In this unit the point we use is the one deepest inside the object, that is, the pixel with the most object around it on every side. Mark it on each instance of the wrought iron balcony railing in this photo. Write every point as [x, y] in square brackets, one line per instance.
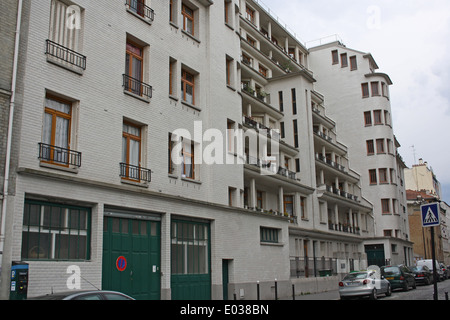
[137, 86]
[65, 54]
[58, 155]
[135, 173]
[141, 9]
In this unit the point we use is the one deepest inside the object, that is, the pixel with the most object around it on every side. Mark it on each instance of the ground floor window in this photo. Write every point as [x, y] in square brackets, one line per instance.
[190, 247]
[55, 231]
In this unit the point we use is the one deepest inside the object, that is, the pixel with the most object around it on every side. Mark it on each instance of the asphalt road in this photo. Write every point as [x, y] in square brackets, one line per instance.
[422, 292]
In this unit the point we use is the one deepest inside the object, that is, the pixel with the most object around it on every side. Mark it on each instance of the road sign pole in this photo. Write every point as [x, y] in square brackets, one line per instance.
[433, 257]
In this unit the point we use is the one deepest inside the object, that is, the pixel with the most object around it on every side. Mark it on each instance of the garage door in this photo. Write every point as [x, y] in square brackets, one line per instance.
[132, 256]
[190, 261]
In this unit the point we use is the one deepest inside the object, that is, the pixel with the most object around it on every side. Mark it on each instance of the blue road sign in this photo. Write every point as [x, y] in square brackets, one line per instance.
[430, 215]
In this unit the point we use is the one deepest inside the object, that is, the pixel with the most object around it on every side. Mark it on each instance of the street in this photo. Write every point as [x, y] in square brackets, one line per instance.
[422, 292]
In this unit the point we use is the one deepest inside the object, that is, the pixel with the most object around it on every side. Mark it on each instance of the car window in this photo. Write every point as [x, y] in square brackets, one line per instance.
[356, 275]
[89, 296]
[391, 270]
[114, 296]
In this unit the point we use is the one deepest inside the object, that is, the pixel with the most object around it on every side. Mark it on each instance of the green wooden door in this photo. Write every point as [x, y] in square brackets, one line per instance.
[190, 260]
[139, 243]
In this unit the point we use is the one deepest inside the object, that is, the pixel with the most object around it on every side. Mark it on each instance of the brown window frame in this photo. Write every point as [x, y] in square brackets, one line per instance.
[185, 82]
[186, 13]
[191, 156]
[365, 90]
[385, 206]
[128, 137]
[370, 147]
[335, 57]
[368, 118]
[55, 114]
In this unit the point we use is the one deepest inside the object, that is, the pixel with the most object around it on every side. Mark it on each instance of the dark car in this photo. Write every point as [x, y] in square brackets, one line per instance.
[422, 274]
[84, 295]
[399, 277]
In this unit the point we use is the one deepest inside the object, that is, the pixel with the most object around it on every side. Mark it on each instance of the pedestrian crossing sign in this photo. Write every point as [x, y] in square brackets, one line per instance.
[430, 215]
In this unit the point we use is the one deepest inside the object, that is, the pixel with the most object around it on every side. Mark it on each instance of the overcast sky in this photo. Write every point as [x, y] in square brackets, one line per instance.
[410, 41]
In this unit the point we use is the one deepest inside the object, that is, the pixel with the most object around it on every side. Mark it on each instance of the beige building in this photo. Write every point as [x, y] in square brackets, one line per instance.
[421, 177]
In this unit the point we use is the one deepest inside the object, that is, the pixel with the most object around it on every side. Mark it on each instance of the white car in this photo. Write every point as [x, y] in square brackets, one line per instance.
[364, 283]
[429, 264]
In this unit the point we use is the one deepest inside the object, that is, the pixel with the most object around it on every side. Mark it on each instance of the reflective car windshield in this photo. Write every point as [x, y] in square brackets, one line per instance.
[391, 270]
[356, 276]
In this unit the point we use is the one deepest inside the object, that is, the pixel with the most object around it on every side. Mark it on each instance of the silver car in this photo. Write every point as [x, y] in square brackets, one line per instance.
[364, 283]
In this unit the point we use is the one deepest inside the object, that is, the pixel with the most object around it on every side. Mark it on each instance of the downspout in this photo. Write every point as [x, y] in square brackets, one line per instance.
[10, 131]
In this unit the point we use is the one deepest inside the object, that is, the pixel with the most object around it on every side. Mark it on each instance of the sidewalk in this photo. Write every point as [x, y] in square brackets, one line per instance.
[329, 295]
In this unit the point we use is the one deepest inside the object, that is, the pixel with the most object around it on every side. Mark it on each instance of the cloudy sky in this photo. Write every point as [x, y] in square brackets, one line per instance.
[410, 41]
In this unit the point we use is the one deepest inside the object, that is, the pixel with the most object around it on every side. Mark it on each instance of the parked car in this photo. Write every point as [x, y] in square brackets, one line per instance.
[429, 264]
[445, 271]
[84, 295]
[364, 283]
[422, 274]
[399, 277]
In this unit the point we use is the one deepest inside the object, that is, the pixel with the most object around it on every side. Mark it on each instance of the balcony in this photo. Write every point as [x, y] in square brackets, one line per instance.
[134, 173]
[271, 168]
[341, 193]
[331, 163]
[65, 57]
[139, 8]
[137, 87]
[59, 156]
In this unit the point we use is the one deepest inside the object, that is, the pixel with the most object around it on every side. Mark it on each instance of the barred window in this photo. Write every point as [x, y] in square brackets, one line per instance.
[269, 235]
[55, 232]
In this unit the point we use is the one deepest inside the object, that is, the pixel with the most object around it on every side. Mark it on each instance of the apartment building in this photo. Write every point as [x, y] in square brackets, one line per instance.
[312, 181]
[359, 102]
[189, 138]
[421, 177]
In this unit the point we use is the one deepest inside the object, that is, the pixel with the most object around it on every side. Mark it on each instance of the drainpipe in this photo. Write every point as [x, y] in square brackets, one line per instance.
[10, 131]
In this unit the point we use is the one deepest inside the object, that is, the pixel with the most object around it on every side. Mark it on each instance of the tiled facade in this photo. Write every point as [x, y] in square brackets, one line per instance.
[106, 92]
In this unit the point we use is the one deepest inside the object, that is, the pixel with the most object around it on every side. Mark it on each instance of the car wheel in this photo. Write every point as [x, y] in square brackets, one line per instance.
[373, 296]
[388, 291]
[405, 286]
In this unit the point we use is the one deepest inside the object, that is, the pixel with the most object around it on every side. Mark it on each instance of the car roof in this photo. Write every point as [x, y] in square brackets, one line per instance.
[69, 294]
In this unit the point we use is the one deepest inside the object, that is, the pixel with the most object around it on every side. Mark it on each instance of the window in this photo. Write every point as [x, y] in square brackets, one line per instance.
[131, 152]
[380, 146]
[365, 90]
[294, 101]
[375, 90]
[139, 7]
[377, 117]
[335, 56]
[134, 66]
[188, 164]
[250, 14]
[231, 195]
[188, 87]
[55, 232]
[64, 41]
[172, 73]
[188, 19]
[172, 14]
[259, 199]
[295, 133]
[280, 100]
[370, 147]
[373, 176]
[383, 175]
[269, 235]
[171, 164]
[288, 203]
[368, 118]
[228, 8]
[297, 165]
[385, 206]
[189, 247]
[282, 133]
[263, 70]
[229, 70]
[303, 207]
[56, 133]
[353, 63]
[344, 60]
